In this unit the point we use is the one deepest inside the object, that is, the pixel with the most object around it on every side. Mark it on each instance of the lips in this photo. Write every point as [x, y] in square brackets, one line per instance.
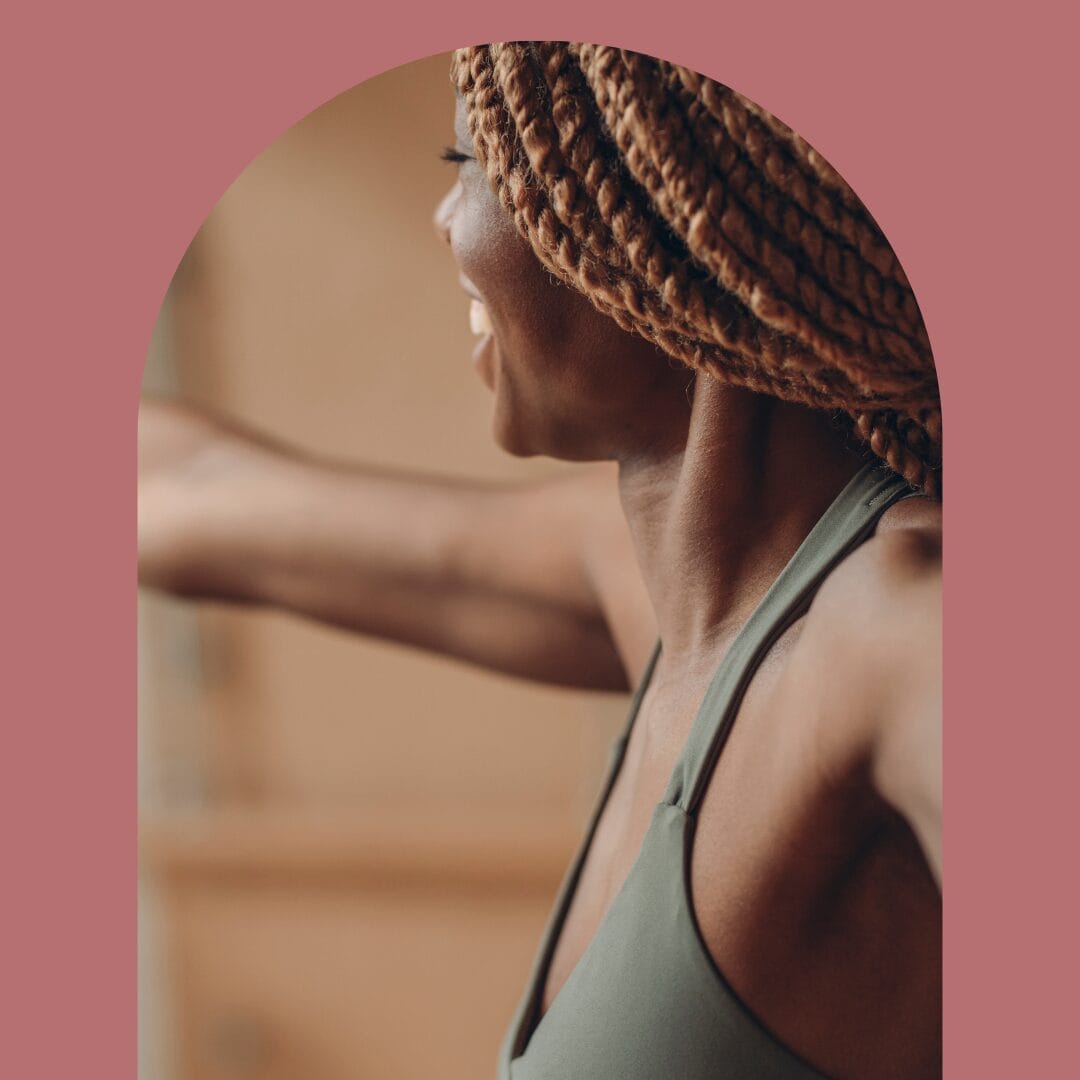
[479, 321]
[480, 324]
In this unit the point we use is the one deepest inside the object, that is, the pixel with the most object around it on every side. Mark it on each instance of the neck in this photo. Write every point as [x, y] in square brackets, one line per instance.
[717, 515]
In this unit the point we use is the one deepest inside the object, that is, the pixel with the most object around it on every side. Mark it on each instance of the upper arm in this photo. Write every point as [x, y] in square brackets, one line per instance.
[881, 613]
[905, 742]
[527, 541]
[537, 566]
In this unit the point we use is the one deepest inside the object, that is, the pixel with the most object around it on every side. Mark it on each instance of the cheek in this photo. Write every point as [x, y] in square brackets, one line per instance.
[543, 328]
[481, 234]
[489, 249]
[521, 300]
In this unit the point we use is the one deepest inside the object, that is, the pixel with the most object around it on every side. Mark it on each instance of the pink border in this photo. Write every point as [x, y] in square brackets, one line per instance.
[125, 125]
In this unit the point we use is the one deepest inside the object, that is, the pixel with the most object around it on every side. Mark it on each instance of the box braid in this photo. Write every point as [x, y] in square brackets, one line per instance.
[698, 220]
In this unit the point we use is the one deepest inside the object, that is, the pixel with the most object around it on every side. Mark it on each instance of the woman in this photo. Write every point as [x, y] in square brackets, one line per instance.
[664, 277]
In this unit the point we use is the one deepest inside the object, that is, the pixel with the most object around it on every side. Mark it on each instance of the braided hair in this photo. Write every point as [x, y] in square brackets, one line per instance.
[693, 217]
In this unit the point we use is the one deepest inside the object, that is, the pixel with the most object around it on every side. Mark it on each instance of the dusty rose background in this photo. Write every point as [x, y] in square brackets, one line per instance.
[123, 126]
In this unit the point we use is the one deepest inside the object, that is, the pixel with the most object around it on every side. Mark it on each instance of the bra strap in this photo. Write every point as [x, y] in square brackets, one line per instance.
[846, 524]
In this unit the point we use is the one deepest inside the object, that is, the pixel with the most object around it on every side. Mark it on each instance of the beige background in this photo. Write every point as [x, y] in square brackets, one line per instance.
[348, 847]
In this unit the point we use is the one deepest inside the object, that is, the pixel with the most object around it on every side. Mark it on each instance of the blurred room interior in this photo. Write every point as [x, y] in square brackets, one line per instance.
[347, 848]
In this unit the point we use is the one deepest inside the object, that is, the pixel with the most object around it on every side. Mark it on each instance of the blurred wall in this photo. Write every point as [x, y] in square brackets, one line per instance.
[348, 847]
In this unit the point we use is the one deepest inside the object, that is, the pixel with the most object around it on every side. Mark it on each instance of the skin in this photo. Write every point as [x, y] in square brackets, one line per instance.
[810, 886]
[816, 866]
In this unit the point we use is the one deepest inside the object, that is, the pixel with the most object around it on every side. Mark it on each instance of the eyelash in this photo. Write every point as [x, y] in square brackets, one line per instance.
[455, 157]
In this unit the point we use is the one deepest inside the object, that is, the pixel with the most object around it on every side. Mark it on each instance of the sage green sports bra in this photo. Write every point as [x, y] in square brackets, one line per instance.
[646, 1001]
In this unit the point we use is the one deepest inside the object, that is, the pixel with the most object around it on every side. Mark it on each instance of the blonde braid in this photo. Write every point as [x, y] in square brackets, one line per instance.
[696, 219]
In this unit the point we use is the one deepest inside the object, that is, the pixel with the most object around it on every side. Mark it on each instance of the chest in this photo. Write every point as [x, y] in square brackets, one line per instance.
[758, 794]
[811, 902]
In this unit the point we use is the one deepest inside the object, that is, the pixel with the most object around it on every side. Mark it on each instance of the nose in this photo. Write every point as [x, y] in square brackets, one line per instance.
[444, 212]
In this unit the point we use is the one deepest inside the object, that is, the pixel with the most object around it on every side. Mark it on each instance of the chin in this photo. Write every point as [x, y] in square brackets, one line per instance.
[510, 438]
[556, 440]
[524, 428]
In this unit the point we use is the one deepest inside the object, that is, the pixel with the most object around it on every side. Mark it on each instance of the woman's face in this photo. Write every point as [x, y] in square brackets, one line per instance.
[567, 380]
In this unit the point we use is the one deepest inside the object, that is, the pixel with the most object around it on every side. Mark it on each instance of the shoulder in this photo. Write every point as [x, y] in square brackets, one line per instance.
[875, 626]
[882, 604]
[870, 646]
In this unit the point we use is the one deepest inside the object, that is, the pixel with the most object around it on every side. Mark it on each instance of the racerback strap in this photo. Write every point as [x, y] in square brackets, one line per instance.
[847, 523]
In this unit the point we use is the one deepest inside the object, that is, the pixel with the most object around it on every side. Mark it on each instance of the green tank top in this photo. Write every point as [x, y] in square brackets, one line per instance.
[646, 1000]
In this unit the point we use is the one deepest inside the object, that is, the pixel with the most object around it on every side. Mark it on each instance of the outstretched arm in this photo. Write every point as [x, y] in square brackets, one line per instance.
[494, 574]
